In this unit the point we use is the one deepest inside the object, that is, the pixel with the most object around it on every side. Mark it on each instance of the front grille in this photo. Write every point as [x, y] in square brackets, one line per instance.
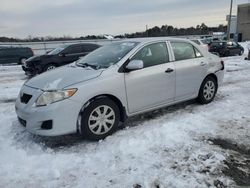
[22, 121]
[25, 98]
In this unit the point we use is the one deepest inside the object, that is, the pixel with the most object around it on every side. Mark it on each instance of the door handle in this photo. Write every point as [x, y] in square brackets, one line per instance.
[203, 64]
[169, 70]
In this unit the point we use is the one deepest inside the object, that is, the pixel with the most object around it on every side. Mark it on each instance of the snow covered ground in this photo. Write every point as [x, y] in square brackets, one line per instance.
[186, 145]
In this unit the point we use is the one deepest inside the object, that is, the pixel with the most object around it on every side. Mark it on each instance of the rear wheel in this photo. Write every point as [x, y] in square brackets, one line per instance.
[208, 90]
[22, 60]
[100, 119]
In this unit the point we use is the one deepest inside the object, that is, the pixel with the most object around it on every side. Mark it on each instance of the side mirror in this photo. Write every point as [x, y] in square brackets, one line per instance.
[134, 65]
[62, 54]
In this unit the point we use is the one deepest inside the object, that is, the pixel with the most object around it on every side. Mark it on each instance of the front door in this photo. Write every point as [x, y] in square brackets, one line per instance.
[155, 83]
[70, 54]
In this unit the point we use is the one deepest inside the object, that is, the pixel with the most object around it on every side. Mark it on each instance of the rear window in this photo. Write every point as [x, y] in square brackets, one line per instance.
[183, 50]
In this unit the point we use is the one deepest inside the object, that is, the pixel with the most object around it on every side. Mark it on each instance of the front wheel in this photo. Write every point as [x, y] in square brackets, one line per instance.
[100, 119]
[208, 90]
[49, 67]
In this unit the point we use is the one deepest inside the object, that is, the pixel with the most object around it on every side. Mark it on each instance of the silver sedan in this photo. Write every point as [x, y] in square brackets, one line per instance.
[92, 95]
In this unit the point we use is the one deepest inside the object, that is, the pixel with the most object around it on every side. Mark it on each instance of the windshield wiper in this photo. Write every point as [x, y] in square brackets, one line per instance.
[87, 65]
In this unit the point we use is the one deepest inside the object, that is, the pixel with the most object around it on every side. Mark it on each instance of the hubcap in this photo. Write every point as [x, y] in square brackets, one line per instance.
[101, 120]
[51, 67]
[209, 90]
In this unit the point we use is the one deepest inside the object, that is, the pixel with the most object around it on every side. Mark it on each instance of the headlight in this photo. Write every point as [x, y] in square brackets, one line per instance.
[49, 97]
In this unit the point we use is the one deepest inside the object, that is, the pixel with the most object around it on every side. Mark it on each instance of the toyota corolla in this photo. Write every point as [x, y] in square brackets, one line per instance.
[92, 95]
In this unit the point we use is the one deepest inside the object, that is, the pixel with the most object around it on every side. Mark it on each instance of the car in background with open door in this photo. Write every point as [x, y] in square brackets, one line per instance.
[226, 48]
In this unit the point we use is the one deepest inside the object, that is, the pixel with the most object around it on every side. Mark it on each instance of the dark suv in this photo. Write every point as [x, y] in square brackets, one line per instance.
[224, 49]
[60, 56]
[14, 54]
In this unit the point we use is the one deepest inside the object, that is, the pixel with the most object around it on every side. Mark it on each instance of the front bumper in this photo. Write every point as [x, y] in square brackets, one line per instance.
[63, 114]
[29, 71]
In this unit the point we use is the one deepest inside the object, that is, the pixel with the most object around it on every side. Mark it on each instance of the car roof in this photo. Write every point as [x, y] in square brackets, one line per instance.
[76, 44]
[13, 47]
[153, 39]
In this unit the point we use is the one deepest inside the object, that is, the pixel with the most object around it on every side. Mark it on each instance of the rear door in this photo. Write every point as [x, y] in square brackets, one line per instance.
[190, 68]
[155, 83]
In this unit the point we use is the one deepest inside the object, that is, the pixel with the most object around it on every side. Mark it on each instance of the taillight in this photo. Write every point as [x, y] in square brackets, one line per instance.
[222, 64]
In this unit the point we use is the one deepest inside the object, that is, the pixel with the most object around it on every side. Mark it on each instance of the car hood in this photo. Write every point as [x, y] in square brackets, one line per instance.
[39, 57]
[63, 77]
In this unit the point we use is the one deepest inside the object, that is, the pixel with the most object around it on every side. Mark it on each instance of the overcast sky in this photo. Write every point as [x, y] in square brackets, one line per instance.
[20, 18]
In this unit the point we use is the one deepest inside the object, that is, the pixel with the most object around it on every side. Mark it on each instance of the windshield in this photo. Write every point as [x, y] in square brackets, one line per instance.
[57, 50]
[107, 55]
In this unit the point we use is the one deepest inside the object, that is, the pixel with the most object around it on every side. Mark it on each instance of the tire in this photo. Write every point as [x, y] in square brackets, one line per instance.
[49, 67]
[21, 61]
[241, 52]
[94, 124]
[227, 54]
[208, 90]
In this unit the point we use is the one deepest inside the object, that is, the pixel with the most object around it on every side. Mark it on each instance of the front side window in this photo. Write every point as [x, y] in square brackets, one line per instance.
[183, 50]
[153, 54]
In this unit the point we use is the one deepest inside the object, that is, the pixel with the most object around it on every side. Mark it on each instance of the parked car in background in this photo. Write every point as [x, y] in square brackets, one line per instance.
[201, 42]
[224, 48]
[17, 55]
[248, 47]
[118, 80]
[60, 56]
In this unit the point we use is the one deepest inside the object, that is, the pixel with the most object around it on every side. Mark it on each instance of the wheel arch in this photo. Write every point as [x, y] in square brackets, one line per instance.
[122, 109]
[213, 76]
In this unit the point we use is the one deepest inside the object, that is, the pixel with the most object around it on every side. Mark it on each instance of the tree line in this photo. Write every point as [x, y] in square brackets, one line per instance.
[164, 30]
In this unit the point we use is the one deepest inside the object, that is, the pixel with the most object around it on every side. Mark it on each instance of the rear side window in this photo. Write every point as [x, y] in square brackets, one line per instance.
[196, 41]
[89, 47]
[183, 50]
[74, 49]
[197, 53]
[153, 54]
